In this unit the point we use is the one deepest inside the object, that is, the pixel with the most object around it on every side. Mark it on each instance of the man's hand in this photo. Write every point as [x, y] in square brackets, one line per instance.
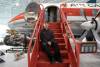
[49, 43]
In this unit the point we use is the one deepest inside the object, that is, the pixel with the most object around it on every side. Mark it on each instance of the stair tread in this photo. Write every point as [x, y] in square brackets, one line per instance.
[57, 33]
[56, 29]
[59, 38]
[61, 44]
[48, 62]
[53, 24]
[61, 51]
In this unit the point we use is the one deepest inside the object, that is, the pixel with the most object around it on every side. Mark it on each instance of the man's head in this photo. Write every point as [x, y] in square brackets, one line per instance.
[45, 25]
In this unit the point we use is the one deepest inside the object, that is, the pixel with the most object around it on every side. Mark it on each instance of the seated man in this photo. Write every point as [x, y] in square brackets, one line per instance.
[48, 41]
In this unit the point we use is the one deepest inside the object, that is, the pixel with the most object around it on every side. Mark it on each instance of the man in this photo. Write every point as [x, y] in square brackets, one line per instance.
[48, 41]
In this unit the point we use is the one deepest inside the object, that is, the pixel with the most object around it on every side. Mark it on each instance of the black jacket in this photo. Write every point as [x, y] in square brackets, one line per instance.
[46, 35]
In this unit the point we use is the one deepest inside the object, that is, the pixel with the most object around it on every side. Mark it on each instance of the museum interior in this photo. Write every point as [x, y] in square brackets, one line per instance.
[49, 33]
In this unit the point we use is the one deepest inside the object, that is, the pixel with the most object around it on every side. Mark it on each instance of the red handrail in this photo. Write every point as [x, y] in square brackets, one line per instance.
[64, 26]
[35, 34]
[77, 52]
[37, 37]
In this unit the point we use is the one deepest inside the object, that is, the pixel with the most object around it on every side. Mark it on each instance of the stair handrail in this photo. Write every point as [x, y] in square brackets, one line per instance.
[35, 51]
[66, 24]
[35, 33]
[69, 34]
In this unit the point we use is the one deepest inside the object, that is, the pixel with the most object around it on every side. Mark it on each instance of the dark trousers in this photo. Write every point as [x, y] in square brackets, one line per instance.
[52, 56]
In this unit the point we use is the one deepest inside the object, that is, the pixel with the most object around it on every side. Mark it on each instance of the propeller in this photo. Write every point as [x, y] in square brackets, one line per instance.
[85, 31]
[88, 26]
[97, 14]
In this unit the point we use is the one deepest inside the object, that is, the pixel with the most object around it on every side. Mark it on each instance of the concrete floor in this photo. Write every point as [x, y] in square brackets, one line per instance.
[10, 61]
[90, 60]
[87, 60]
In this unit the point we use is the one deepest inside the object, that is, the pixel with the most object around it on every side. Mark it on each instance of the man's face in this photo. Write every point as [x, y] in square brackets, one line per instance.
[46, 26]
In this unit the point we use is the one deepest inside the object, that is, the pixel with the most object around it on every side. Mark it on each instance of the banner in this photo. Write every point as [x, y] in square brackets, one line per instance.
[83, 5]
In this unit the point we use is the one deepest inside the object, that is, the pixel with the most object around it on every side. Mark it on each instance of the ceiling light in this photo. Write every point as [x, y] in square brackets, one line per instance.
[17, 4]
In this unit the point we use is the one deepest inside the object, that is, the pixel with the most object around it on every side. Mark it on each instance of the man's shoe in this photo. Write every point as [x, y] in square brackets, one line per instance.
[60, 61]
[52, 60]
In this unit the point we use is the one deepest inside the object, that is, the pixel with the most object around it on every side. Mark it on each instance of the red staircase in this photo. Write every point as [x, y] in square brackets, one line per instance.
[43, 59]
[37, 58]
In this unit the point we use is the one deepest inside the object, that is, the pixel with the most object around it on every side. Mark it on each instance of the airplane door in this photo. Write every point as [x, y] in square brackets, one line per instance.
[51, 14]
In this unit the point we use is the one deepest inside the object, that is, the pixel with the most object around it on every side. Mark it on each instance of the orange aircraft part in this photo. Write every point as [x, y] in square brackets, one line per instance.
[18, 17]
[71, 11]
[77, 11]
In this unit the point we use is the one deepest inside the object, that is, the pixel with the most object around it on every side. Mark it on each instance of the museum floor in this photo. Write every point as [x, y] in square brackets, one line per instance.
[86, 60]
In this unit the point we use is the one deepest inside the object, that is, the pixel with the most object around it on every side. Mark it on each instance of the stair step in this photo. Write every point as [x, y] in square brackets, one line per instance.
[52, 27]
[48, 62]
[62, 46]
[60, 40]
[54, 24]
[43, 56]
[58, 35]
[42, 63]
[56, 30]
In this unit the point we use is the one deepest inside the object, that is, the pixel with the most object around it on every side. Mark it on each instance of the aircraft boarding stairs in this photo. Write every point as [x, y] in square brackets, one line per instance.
[37, 58]
[43, 59]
